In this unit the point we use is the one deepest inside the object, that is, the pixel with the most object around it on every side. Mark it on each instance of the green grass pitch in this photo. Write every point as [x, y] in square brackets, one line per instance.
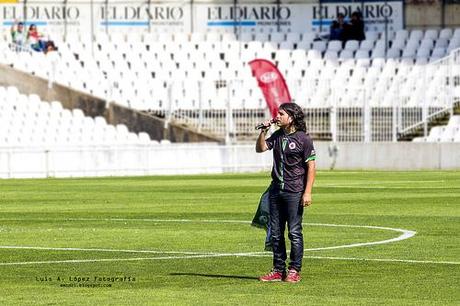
[168, 240]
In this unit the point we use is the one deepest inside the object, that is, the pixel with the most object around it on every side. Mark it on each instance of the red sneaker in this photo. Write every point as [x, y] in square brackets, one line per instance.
[293, 276]
[272, 276]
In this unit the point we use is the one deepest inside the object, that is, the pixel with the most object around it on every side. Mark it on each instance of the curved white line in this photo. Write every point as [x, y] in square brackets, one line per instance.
[406, 234]
[265, 254]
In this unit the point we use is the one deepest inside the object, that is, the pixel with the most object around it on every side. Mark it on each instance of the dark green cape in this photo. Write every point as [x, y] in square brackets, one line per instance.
[262, 218]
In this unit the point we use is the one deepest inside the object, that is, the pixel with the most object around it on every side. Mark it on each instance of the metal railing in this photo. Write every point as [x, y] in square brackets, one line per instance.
[409, 101]
[437, 92]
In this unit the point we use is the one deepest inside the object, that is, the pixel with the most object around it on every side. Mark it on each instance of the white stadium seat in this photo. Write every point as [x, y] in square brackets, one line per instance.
[198, 37]
[423, 52]
[352, 45]
[308, 36]
[402, 35]
[454, 121]
[446, 33]
[416, 35]
[441, 43]
[427, 43]
[228, 37]
[366, 45]
[277, 37]
[314, 54]
[334, 45]
[396, 53]
[246, 36]
[346, 54]
[293, 37]
[304, 45]
[262, 37]
[431, 34]
[320, 46]
[331, 55]
[286, 45]
[435, 134]
[215, 37]
[454, 44]
[362, 54]
[372, 35]
[439, 52]
[398, 44]
[449, 133]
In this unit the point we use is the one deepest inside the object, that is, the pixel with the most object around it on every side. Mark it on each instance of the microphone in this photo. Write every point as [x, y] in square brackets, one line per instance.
[263, 126]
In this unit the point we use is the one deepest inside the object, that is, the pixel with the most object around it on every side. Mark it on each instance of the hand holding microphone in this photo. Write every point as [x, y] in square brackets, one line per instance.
[265, 125]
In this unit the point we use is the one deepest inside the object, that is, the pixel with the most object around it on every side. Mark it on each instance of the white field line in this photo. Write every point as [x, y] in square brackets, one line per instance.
[383, 187]
[405, 234]
[189, 255]
[112, 259]
[262, 254]
[13, 247]
[387, 182]
[387, 260]
[332, 173]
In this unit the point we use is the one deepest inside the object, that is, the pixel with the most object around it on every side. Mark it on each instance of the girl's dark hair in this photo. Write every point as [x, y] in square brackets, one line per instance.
[297, 115]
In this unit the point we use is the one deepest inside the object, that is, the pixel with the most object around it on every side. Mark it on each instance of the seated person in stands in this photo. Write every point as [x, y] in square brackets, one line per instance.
[35, 39]
[355, 29]
[49, 46]
[337, 28]
[17, 33]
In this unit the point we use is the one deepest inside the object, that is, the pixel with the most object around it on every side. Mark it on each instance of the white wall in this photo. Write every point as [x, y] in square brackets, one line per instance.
[213, 158]
[393, 156]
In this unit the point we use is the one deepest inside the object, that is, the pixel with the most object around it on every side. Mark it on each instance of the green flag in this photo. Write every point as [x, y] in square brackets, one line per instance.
[262, 218]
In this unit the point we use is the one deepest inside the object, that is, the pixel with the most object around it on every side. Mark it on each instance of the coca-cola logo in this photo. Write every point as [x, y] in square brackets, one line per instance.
[268, 77]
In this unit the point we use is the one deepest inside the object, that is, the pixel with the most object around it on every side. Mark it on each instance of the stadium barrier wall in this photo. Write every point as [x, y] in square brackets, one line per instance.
[157, 128]
[431, 14]
[89, 161]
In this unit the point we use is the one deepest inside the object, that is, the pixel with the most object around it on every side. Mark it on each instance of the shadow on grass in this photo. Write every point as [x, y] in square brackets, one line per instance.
[214, 275]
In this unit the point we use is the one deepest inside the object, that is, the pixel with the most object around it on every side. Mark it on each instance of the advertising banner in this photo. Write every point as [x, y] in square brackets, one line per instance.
[51, 14]
[272, 84]
[101, 15]
[375, 14]
[156, 17]
[252, 18]
[184, 16]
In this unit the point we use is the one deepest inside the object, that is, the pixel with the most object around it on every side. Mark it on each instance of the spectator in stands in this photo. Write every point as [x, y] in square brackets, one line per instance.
[49, 46]
[52, 59]
[18, 35]
[338, 28]
[355, 30]
[35, 39]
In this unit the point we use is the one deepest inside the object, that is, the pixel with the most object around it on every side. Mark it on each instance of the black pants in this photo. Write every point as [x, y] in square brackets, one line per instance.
[285, 207]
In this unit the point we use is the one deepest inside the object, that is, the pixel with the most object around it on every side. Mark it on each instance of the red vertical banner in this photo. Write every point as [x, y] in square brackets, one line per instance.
[272, 84]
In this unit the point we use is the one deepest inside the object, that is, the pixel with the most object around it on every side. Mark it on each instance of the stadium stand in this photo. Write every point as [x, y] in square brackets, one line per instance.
[161, 72]
[27, 120]
[443, 133]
